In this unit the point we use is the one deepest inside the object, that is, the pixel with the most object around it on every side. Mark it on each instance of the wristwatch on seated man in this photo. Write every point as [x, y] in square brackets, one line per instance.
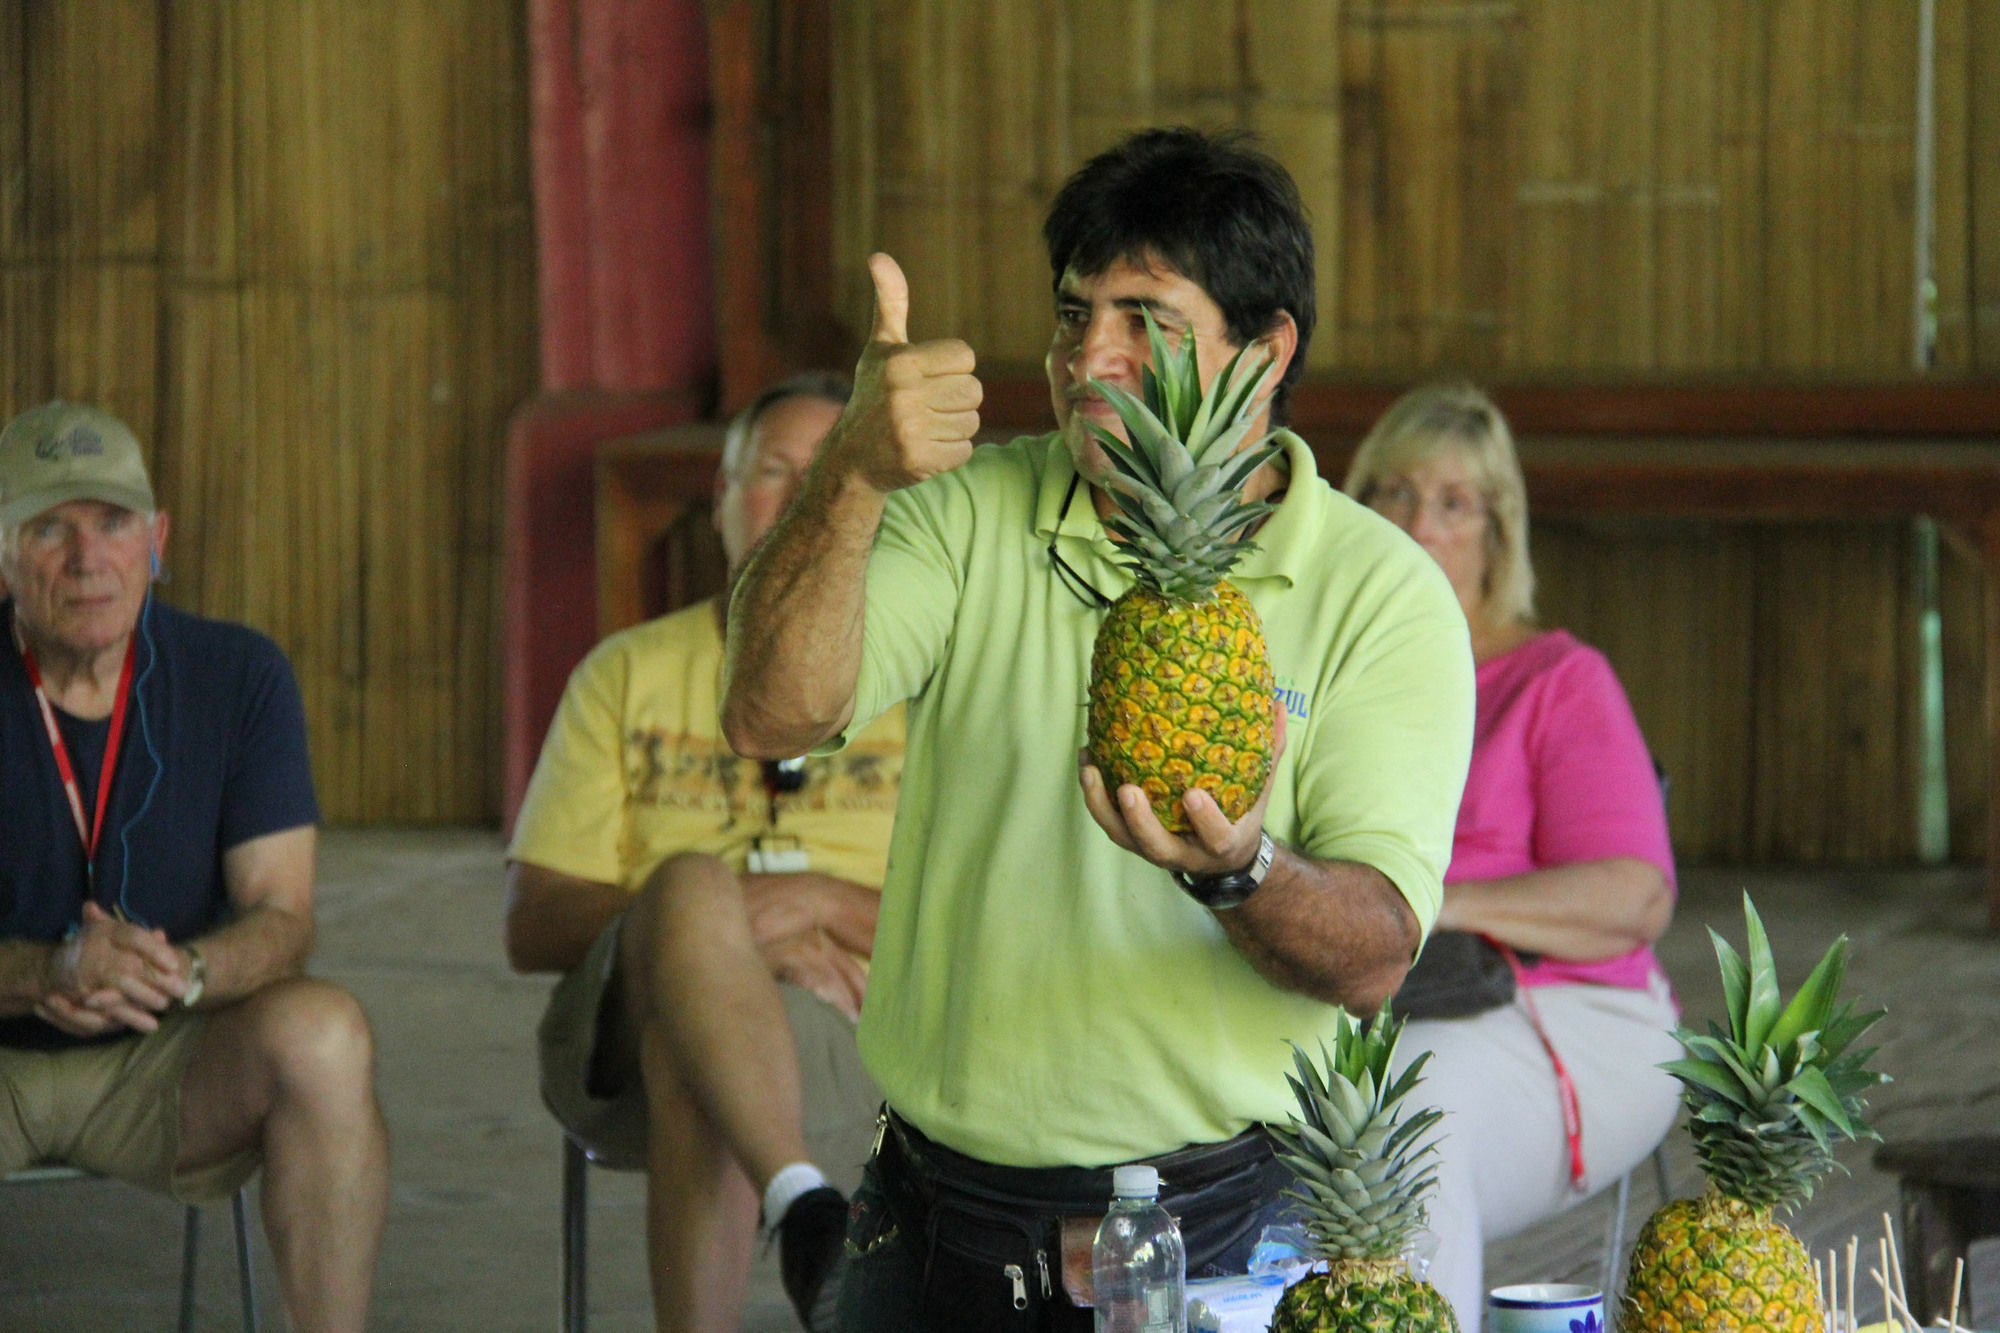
[1220, 892]
[197, 976]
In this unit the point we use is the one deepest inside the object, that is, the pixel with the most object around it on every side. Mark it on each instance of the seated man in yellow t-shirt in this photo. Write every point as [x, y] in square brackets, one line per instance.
[676, 885]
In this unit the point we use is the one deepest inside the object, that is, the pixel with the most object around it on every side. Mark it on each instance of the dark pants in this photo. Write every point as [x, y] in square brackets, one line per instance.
[940, 1241]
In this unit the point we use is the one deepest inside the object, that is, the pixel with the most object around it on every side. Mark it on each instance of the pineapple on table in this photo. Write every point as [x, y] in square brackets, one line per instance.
[1362, 1182]
[1181, 692]
[1766, 1100]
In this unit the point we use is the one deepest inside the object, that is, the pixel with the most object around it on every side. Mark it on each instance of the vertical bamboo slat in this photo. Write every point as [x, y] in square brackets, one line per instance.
[1953, 184]
[1982, 149]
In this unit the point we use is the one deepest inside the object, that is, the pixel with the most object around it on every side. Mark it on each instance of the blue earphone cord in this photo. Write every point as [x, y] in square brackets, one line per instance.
[145, 736]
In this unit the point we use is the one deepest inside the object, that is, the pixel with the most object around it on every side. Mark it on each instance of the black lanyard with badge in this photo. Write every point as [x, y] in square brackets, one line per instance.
[772, 854]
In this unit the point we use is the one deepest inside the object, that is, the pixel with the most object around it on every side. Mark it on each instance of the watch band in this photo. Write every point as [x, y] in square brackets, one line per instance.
[1221, 892]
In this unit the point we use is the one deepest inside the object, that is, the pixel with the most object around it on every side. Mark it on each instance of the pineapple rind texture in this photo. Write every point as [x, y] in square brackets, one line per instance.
[1181, 696]
[1332, 1303]
[1718, 1265]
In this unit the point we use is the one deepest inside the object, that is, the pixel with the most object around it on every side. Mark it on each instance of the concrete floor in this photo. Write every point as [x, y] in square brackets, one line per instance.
[410, 921]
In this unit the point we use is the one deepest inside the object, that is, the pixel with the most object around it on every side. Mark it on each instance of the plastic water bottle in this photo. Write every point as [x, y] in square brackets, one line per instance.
[1138, 1265]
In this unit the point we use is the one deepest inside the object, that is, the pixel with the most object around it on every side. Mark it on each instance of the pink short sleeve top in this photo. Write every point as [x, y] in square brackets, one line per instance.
[1560, 774]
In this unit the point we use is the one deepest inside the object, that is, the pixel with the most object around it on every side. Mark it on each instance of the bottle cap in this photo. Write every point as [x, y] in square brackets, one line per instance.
[1135, 1182]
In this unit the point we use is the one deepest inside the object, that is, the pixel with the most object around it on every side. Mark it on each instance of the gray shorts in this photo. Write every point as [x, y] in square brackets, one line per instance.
[590, 1070]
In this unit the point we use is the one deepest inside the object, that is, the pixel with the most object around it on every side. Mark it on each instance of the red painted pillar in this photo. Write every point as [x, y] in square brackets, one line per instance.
[621, 138]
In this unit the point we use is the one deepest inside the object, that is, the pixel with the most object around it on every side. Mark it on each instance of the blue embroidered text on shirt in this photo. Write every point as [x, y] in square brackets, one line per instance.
[1296, 703]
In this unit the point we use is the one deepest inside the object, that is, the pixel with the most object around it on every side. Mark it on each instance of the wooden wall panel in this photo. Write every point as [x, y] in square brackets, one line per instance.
[1953, 104]
[1425, 104]
[1582, 294]
[1597, 188]
[291, 244]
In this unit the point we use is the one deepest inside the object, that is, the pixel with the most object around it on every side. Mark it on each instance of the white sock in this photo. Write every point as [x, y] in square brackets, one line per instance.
[788, 1185]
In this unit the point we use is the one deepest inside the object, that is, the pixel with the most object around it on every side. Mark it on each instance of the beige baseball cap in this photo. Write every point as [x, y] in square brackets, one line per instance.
[58, 452]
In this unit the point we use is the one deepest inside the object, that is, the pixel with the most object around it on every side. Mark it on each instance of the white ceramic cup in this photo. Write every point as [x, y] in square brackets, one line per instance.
[1545, 1307]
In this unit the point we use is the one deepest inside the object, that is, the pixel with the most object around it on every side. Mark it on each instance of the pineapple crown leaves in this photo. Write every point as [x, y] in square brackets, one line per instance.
[1177, 479]
[1360, 1166]
[1779, 1075]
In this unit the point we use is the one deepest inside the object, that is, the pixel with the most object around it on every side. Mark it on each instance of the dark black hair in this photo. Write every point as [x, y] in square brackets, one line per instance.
[1222, 214]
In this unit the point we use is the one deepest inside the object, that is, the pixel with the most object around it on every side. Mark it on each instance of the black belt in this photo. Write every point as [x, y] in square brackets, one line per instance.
[1076, 1189]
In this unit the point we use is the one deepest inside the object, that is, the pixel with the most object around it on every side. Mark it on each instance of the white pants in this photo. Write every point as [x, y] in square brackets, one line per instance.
[1503, 1161]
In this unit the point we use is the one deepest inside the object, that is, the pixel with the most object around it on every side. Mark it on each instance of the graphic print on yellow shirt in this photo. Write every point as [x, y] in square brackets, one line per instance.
[635, 770]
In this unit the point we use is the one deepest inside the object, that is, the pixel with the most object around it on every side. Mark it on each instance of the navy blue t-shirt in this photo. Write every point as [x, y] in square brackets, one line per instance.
[214, 754]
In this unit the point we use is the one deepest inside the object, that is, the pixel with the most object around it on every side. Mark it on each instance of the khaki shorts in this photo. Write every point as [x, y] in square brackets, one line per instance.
[590, 1070]
[115, 1109]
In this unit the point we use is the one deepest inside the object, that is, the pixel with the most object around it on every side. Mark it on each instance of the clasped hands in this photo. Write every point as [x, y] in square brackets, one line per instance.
[112, 974]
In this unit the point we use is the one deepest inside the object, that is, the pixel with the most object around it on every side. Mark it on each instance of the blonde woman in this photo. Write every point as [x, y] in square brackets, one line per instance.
[1560, 855]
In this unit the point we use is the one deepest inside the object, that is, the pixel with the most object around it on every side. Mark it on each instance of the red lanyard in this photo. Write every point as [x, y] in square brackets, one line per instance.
[89, 833]
[1565, 1086]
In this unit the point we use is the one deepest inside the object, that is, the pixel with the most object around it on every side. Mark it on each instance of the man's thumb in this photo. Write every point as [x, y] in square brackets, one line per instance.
[892, 300]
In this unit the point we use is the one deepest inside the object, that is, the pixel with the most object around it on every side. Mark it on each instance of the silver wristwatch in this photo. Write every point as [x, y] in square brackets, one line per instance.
[1218, 893]
[197, 976]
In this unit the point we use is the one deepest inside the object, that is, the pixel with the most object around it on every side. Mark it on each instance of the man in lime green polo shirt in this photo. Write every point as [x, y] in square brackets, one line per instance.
[1046, 1001]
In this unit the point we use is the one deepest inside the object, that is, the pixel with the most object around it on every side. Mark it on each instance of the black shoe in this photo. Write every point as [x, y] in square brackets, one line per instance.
[812, 1255]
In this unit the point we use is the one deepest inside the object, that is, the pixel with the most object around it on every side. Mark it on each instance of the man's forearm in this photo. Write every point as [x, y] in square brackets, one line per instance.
[24, 975]
[1338, 931]
[263, 945]
[795, 621]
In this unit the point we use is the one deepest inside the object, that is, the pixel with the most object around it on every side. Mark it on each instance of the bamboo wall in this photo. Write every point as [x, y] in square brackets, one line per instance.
[290, 242]
[1542, 190]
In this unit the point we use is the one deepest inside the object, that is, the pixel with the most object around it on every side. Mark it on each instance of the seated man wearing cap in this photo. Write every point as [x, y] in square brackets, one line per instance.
[156, 883]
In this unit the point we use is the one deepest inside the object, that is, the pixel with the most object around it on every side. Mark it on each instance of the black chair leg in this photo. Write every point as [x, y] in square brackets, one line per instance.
[190, 1253]
[245, 1271]
[575, 1224]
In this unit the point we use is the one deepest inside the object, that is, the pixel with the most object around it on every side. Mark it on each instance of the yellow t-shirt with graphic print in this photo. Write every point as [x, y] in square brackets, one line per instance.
[635, 770]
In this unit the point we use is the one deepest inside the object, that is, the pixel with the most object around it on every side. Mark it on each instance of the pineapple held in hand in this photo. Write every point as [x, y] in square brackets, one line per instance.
[1362, 1181]
[1766, 1101]
[1181, 694]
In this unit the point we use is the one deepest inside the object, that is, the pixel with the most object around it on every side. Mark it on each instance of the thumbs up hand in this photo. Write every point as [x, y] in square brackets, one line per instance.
[915, 406]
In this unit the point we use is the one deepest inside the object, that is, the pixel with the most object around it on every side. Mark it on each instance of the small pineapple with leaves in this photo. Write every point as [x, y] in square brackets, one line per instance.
[1362, 1182]
[1181, 691]
[1767, 1099]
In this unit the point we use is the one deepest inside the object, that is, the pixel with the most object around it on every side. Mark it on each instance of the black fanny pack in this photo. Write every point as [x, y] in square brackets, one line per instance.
[1458, 974]
[1015, 1241]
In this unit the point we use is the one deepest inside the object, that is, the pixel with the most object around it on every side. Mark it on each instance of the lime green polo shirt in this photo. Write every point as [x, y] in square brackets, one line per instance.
[1040, 996]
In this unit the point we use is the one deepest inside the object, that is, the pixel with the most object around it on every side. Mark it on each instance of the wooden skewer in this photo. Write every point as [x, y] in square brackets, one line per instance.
[1819, 1283]
[1853, 1254]
[1881, 1276]
[1957, 1277]
[1895, 1256]
[1895, 1312]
